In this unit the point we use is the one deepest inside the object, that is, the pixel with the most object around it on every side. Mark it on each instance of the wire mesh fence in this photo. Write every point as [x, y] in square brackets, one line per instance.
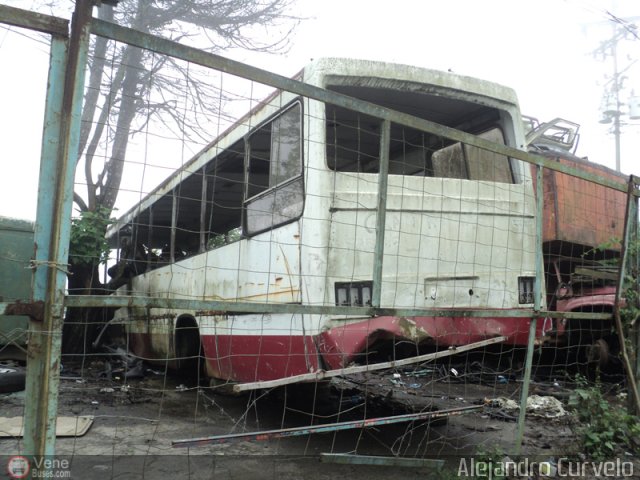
[360, 265]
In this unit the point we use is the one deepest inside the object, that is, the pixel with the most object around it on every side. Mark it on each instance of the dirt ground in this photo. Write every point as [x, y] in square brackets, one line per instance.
[137, 419]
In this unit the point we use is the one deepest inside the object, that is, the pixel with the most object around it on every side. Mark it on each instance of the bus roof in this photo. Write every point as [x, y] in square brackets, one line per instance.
[324, 71]
[343, 74]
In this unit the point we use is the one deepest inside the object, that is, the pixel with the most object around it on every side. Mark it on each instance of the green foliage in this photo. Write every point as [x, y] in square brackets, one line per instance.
[613, 245]
[631, 309]
[492, 456]
[221, 239]
[604, 427]
[444, 474]
[88, 245]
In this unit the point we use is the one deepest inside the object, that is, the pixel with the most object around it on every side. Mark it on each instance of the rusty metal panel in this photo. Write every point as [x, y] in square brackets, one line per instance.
[579, 211]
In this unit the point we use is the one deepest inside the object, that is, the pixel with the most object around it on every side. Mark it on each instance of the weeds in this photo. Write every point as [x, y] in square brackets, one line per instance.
[88, 245]
[605, 427]
[493, 457]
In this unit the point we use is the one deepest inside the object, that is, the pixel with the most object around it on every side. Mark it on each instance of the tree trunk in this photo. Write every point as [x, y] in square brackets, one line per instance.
[83, 325]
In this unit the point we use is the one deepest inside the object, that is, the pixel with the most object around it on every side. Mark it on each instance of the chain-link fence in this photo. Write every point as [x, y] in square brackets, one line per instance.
[366, 258]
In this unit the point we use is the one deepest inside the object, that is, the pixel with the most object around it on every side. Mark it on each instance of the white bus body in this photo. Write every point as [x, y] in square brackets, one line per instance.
[296, 182]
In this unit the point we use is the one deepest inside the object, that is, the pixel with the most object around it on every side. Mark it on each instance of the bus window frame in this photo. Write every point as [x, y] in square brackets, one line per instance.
[271, 190]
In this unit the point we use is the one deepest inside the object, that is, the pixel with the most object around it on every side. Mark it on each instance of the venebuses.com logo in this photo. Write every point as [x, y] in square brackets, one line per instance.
[20, 466]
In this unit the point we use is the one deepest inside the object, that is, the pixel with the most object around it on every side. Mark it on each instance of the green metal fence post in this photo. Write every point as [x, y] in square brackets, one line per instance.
[537, 292]
[627, 252]
[53, 223]
[635, 334]
[39, 435]
[381, 216]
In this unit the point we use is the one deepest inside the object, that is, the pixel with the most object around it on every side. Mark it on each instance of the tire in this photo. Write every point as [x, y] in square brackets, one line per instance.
[12, 379]
[187, 346]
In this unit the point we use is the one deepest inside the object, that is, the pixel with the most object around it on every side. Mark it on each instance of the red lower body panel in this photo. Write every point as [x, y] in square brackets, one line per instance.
[250, 358]
[342, 345]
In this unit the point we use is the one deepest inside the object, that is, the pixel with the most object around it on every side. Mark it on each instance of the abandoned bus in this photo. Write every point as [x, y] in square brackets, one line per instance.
[281, 208]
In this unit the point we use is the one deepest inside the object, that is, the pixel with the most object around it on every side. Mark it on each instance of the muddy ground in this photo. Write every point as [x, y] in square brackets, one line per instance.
[137, 419]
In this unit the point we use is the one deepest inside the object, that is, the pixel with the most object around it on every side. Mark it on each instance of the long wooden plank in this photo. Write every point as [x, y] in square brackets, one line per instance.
[324, 374]
[598, 273]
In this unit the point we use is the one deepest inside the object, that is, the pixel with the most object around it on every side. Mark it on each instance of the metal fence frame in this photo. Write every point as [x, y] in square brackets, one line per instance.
[68, 58]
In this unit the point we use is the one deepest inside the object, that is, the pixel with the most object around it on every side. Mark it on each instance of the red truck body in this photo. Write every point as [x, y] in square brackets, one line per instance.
[583, 223]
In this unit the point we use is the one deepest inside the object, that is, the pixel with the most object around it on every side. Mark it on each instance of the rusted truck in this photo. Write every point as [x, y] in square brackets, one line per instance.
[583, 223]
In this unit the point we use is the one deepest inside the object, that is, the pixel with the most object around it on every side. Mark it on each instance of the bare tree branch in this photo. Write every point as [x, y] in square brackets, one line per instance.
[126, 115]
[146, 87]
[80, 202]
[105, 112]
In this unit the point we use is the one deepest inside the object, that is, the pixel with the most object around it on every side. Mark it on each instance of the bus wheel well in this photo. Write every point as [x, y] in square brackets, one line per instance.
[187, 345]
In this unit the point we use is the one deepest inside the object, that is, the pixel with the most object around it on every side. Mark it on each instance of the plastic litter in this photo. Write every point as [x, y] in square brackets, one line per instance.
[547, 407]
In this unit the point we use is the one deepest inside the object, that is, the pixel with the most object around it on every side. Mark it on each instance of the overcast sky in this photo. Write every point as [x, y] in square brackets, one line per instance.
[542, 49]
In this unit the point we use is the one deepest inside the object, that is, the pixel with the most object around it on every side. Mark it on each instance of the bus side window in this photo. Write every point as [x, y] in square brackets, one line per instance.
[275, 191]
[225, 189]
[353, 141]
[259, 159]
